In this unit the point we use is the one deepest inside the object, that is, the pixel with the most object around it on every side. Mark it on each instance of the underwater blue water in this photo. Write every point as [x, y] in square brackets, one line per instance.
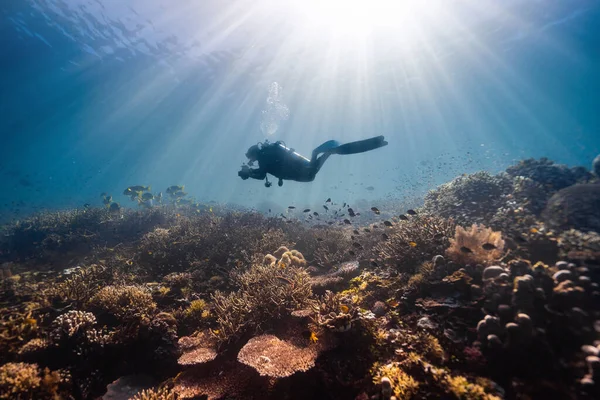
[97, 95]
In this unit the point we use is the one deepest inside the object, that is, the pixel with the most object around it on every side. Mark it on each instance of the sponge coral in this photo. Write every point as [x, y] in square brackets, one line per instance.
[476, 245]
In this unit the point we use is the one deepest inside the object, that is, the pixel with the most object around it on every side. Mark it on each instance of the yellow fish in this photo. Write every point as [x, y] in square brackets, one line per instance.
[344, 309]
[313, 338]
[412, 244]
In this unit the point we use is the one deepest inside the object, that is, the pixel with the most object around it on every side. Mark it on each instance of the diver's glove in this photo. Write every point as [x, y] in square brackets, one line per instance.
[244, 173]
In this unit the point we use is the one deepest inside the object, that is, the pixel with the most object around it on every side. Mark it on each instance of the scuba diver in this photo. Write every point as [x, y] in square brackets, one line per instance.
[284, 163]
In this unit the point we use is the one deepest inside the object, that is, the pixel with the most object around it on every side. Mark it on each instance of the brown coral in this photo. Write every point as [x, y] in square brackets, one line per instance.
[467, 247]
[276, 358]
[197, 349]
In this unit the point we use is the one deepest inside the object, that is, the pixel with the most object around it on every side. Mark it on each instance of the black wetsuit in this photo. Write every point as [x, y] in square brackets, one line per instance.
[284, 163]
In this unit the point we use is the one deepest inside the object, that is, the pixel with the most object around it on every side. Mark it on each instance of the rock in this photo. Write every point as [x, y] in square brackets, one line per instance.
[386, 388]
[596, 165]
[379, 308]
[438, 260]
[494, 341]
[526, 325]
[590, 350]
[426, 323]
[492, 272]
[587, 383]
[505, 312]
[593, 363]
[561, 265]
[562, 275]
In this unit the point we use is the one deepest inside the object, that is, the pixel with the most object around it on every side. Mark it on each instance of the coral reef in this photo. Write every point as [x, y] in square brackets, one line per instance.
[479, 294]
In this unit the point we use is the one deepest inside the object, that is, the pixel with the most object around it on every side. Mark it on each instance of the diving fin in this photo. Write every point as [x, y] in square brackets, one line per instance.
[360, 146]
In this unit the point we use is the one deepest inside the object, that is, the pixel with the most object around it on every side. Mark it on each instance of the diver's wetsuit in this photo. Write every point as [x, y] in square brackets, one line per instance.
[284, 163]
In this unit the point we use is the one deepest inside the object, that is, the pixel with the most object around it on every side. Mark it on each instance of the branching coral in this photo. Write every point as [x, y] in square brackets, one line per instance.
[162, 393]
[229, 240]
[124, 302]
[70, 324]
[403, 385]
[333, 313]
[415, 241]
[461, 388]
[80, 286]
[477, 245]
[266, 293]
[29, 381]
[579, 245]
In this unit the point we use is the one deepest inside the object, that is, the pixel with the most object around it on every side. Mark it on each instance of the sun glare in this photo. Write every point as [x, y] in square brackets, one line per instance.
[360, 17]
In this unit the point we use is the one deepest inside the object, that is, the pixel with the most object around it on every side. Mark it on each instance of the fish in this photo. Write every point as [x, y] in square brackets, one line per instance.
[388, 223]
[328, 200]
[488, 246]
[87, 205]
[370, 188]
[367, 230]
[374, 263]
[357, 245]
[175, 188]
[438, 235]
[375, 210]
[520, 239]
[133, 190]
[384, 236]
[533, 230]
[107, 200]
[466, 250]
[351, 253]
[411, 212]
[114, 207]
[306, 210]
[291, 207]
[326, 208]
[347, 222]
[351, 212]
[316, 214]
[403, 217]
[356, 232]
[412, 244]
[320, 239]
[179, 194]
[147, 196]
